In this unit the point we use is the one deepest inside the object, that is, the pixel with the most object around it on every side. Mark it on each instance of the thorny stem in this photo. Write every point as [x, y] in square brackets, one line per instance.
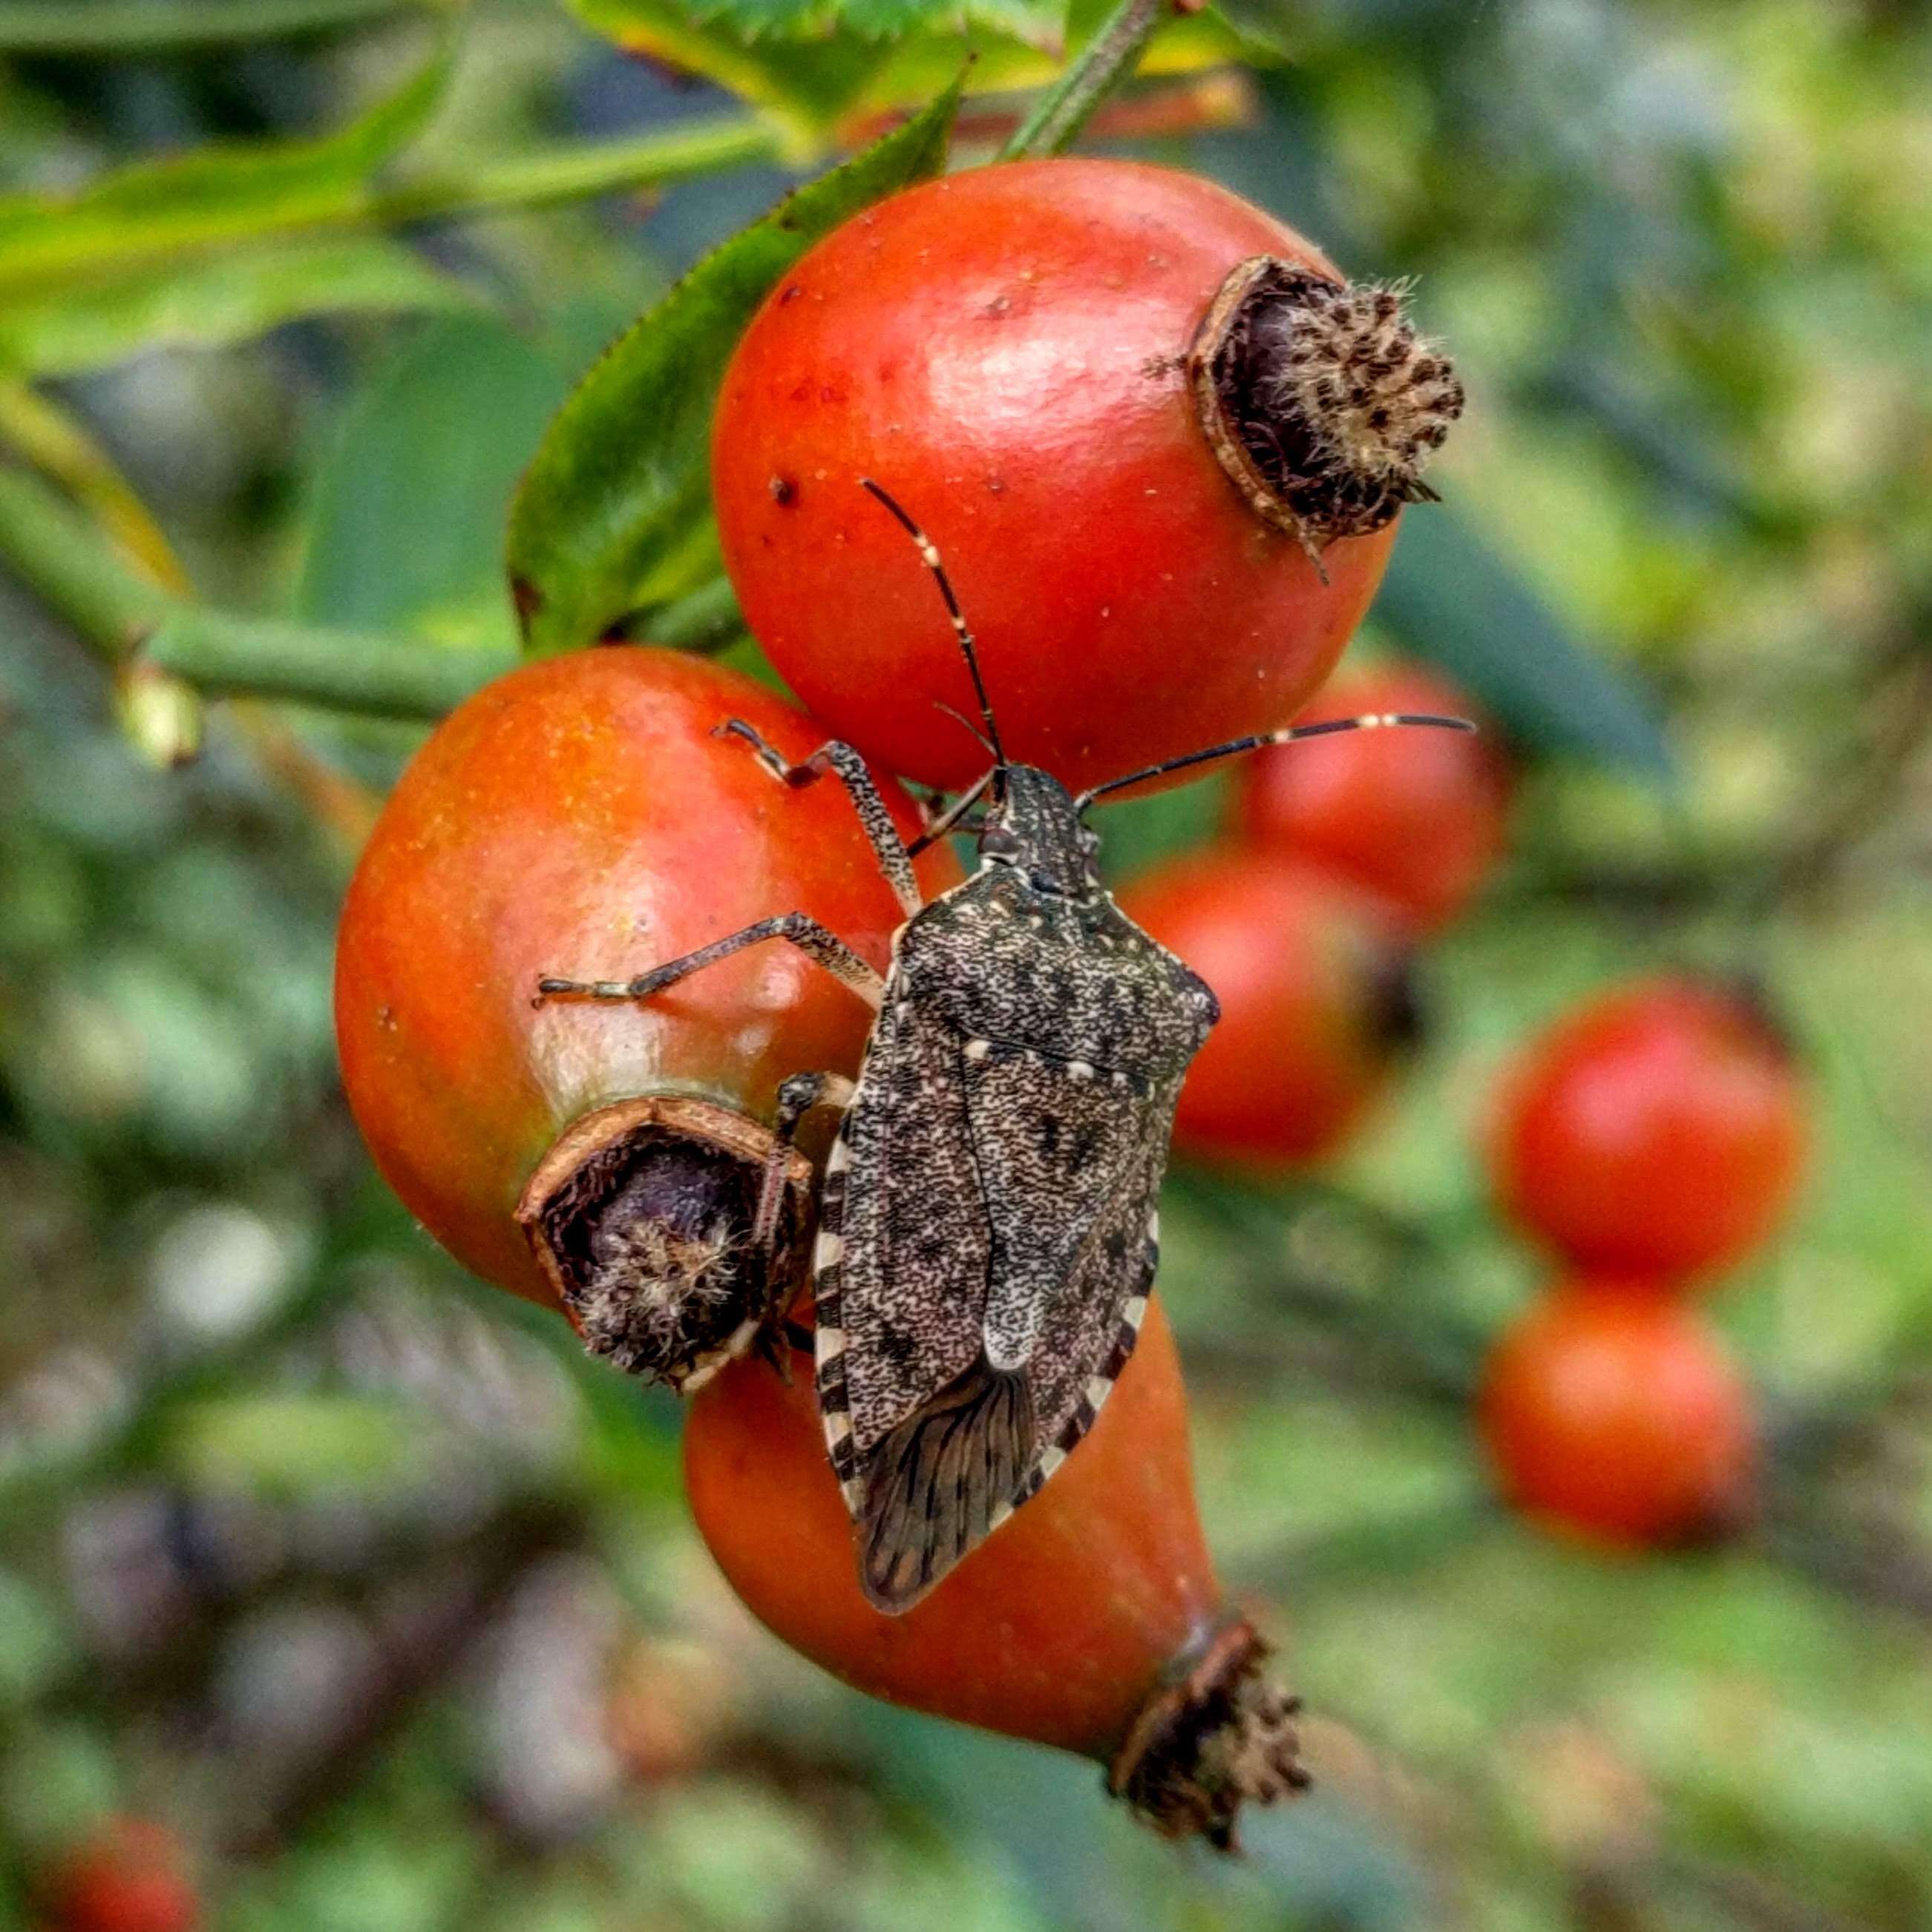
[1104, 64]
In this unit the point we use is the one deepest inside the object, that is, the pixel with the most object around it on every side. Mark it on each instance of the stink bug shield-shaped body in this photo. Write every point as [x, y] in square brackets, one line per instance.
[987, 1235]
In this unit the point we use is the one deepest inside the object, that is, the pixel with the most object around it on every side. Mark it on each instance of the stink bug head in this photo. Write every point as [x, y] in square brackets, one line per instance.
[1033, 825]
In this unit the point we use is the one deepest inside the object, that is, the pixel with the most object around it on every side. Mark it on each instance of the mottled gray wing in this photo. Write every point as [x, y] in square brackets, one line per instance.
[904, 1251]
[1091, 1327]
[981, 1273]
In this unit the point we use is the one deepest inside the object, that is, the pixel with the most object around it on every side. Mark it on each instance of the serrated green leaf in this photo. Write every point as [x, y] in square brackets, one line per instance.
[154, 212]
[1040, 22]
[816, 71]
[613, 511]
[1449, 598]
[205, 303]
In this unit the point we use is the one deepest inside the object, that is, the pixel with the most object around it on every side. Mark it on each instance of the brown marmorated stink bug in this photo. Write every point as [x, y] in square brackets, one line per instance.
[987, 1227]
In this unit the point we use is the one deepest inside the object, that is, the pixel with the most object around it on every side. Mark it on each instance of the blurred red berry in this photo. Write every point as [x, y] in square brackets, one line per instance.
[1316, 1001]
[1418, 816]
[130, 1877]
[1610, 1411]
[1658, 1130]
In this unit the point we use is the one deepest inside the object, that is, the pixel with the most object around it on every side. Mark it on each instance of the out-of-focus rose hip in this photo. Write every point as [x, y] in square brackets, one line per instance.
[1611, 1411]
[1418, 817]
[1317, 994]
[1658, 1129]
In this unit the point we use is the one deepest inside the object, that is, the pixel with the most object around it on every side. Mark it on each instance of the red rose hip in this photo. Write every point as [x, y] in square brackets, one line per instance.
[1090, 1620]
[1418, 817]
[1130, 410]
[1317, 1000]
[130, 1877]
[1611, 1411]
[1658, 1129]
[581, 816]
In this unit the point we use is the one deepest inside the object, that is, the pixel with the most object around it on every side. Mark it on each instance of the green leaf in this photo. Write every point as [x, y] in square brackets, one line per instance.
[139, 26]
[815, 76]
[208, 302]
[613, 512]
[1039, 22]
[408, 509]
[1449, 598]
[1270, 26]
[152, 211]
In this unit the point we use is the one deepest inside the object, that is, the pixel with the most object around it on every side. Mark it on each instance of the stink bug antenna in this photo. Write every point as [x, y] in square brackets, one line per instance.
[979, 737]
[949, 820]
[928, 552]
[1368, 722]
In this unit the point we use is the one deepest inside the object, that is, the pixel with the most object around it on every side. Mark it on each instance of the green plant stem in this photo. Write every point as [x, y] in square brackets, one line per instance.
[571, 173]
[56, 253]
[60, 555]
[228, 655]
[58, 445]
[1102, 65]
[45, 27]
[63, 558]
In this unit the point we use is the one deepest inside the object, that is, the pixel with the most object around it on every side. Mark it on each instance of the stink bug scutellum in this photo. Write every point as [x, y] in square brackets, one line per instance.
[987, 1232]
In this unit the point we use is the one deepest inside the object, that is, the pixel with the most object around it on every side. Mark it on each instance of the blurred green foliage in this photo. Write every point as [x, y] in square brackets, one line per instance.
[384, 1597]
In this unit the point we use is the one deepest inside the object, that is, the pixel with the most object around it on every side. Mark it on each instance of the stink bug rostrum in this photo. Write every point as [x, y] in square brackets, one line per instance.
[987, 1231]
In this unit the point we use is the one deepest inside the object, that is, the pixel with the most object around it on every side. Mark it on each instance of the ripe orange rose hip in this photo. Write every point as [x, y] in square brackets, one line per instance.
[580, 817]
[1609, 1410]
[1317, 1003]
[1658, 1129]
[1127, 406]
[1418, 817]
[1091, 1621]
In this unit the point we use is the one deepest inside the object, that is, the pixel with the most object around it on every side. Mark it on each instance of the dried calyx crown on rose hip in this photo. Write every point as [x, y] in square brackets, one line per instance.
[640, 1217]
[1319, 399]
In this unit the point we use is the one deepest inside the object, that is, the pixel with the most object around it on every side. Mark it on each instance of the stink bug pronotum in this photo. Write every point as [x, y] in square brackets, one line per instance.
[987, 1231]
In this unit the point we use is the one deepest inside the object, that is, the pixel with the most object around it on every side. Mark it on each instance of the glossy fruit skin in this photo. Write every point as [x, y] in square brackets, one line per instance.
[128, 1878]
[1612, 1411]
[1419, 817]
[578, 816]
[1657, 1129]
[1057, 1628]
[1001, 349]
[1309, 971]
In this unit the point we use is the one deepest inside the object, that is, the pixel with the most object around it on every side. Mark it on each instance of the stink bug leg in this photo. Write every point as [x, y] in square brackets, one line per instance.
[894, 859]
[797, 1097]
[797, 928]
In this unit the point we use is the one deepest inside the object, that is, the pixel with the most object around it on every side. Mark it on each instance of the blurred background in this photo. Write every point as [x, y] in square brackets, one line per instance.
[356, 1578]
